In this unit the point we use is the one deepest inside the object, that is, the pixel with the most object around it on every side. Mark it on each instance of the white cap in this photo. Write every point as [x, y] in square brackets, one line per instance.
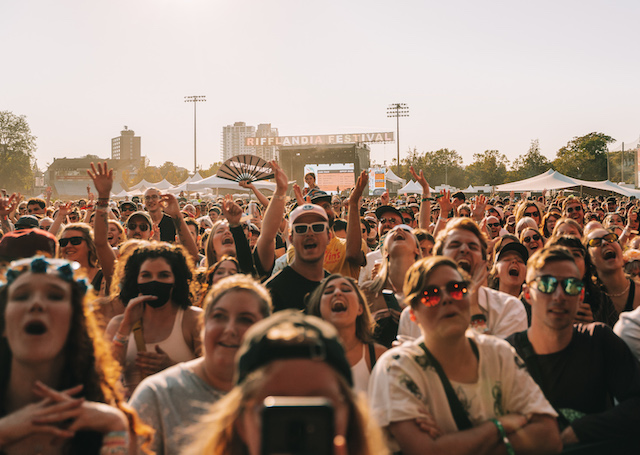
[307, 209]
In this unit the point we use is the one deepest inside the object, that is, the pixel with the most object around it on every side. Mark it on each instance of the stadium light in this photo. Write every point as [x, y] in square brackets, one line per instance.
[398, 110]
[195, 100]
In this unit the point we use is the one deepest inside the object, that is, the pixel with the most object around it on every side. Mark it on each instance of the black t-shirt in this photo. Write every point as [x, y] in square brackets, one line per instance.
[594, 368]
[288, 289]
[167, 229]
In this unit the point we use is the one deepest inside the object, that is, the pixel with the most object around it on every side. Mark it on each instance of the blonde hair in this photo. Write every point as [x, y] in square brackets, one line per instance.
[237, 283]
[217, 432]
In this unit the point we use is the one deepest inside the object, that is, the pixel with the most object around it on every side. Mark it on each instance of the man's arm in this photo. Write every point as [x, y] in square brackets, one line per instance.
[172, 208]
[353, 245]
[265, 245]
[7, 205]
[424, 217]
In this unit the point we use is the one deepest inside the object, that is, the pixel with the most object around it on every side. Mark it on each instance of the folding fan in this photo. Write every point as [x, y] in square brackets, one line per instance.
[245, 167]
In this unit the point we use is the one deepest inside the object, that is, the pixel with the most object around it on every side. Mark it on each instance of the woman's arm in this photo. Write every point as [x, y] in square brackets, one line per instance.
[103, 181]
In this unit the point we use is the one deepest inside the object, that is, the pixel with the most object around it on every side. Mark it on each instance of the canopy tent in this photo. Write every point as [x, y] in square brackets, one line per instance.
[163, 185]
[216, 182]
[411, 187]
[194, 178]
[142, 185]
[478, 189]
[391, 177]
[553, 180]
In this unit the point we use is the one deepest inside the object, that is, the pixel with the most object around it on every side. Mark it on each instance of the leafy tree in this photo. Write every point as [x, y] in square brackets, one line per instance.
[211, 171]
[530, 164]
[584, 157]
[151, 174]
[439, 167]
[17, 146]
[488, 167]
[174, 174]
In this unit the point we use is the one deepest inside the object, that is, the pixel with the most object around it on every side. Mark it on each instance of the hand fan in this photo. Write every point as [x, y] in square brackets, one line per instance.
[245, 167]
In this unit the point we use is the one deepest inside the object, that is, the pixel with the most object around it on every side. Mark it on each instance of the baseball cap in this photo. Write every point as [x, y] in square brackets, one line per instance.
[387, 208]
[130, 204]
[27, 222]
[307, 209]
[514, 246]
[26, 243]
[318, 196]
[142, 214]
[289, 334]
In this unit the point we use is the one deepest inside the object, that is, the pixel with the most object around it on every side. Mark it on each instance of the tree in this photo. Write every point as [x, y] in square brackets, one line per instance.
[174, 174]
[17, 146]
[584, 157]
[530, 164]
[488, 167]
[439, 167]
[212, 170]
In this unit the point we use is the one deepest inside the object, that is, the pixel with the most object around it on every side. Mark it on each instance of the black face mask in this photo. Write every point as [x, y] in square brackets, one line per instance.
[160, 290]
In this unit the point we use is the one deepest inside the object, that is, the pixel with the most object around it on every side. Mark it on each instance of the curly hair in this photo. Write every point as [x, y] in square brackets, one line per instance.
[87, 361]
[179, 260]
[87, 235]
[364, 321]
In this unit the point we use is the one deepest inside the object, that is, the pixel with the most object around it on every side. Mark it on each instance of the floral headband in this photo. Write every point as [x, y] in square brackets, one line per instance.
[39, 264]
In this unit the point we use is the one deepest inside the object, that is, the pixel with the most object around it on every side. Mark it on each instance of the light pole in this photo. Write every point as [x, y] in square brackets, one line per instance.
[195, 100]
[398, 110]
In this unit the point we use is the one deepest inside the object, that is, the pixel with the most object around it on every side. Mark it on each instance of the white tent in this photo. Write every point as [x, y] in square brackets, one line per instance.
[163, 185]
[553, 180]
[216, 182]
[410, 188]
[194, 178]
[142, 185]
[391, 177]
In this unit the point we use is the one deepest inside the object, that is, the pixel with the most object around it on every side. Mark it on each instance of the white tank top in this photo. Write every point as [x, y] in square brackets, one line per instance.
[361, 373]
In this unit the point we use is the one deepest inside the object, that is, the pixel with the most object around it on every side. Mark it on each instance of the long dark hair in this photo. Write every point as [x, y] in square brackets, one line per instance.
[178, 259]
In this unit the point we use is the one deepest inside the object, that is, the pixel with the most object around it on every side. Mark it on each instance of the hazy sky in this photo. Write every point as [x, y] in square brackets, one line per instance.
[476, 75]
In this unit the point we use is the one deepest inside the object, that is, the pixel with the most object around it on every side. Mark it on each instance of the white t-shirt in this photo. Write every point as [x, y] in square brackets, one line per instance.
[403, 386]
[628, 328]
[505, 315]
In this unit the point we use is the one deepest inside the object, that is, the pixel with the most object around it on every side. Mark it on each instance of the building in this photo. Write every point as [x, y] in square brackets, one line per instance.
[126, 147]
[267, 153]
[69, 180]
[233, 140]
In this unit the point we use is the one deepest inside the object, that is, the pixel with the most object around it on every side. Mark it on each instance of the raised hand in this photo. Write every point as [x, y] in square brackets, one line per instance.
[385, 198]
[361, 184]
[170, 205]
[248, 184]
[477, 208]
[8, 204]
[445, 203]
[282, 182]
[231, 210]
[426, 189]
[102, 178]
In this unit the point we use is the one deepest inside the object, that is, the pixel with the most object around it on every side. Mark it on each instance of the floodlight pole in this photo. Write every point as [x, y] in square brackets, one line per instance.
[194, 99]
[398, 110]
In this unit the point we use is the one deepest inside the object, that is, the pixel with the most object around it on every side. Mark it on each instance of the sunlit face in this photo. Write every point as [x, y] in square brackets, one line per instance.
[213, 215]
[511, 269]
[340, 304]
[152, 199]
[465, 249]
[608, 256]
[310, 246]
[574, 210]
[567, 229]
[225, 269]
[450, 317]
[533, 212]
[426, 247]
[225, 326]
[113, 235]
[310, 180]
[557, 310]
[135, 228]
[387, 221]
[71, 252]
[125, 212]
[38, 317]
[532, 240]
[45, 224]
[35, 209]
[294, 377]
[223, 242]
[400, 242]
[551, 222]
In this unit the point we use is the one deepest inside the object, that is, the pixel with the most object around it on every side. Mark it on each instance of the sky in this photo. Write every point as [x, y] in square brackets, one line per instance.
[476, 75]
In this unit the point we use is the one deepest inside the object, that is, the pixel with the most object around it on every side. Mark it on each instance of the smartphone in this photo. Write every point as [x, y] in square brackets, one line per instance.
[297, 426]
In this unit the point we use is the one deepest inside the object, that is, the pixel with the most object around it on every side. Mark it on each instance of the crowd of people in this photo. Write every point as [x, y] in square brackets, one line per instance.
[425, 324]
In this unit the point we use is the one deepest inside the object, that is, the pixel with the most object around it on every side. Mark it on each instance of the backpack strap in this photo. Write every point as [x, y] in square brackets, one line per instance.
[372, 354]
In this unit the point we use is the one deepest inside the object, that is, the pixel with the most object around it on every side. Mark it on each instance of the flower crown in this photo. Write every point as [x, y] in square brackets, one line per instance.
[39, 264]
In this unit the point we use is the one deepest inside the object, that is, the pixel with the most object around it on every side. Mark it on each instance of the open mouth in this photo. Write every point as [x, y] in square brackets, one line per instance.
[310, 246]
[227, 241]
[514, 272]
[609, 254]
[35, 328]
[338, 307]
[465, 265]
[228, 345]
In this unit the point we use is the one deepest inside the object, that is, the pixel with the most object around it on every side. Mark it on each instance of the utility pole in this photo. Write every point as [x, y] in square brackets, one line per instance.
[622, 164]
[398, 110]
[195, 100]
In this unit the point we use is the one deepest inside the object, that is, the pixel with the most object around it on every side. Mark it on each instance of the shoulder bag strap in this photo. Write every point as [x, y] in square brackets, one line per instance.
[372, 355]
[459, 414]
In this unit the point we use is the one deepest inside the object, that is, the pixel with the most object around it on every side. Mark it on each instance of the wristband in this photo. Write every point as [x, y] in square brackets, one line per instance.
[503, 435]
[115, 443]
[120, 338]
[278, 197]
[442, 219]
[425, 199]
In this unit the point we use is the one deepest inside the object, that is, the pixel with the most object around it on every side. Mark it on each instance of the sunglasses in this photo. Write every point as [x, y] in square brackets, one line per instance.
[493, 224]
[532, 214]
[73, 240]
[535, 237]
[432, 294]
[577, 208]
[609, 238]
[133, 226]
[547, 284]
[389, 220]
[315, 227]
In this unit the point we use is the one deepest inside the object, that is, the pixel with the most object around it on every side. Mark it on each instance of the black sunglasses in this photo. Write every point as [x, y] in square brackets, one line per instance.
[532, 214]
[73, 240]
[547, 284]
[133, 226]
[493, 224]
[535, 237]
[432, 294]
[578, 208]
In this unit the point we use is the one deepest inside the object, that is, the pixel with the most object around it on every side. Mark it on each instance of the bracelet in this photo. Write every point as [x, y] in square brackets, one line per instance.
[442, 219]
[503, 434]
[102, 204]
[278, 197]
[115, 442]
[120, 338]
[425, 199]
[103, 199]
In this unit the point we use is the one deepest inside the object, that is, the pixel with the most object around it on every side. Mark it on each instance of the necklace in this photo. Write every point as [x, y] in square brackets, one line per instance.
[621, 293]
